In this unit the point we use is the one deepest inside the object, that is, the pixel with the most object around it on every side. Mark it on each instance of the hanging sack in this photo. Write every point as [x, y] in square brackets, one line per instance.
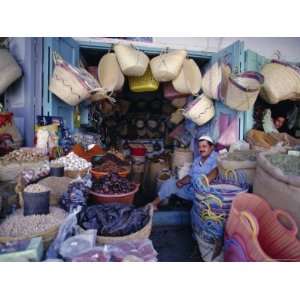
[189, 79]
[132, 62]
[167, 66]
[9, 70]
[282, 82]
[242, 90]
[71, 84]
[231, 134]
[200, 111]
[215, 80]
[144, 83]
[267, 234]
[179, 102]
[110, 75]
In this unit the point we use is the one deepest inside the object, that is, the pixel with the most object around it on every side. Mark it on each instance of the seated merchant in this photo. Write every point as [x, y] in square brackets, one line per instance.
[204, 164]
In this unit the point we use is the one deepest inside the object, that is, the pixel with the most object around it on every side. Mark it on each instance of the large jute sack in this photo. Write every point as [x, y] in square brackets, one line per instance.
[71, 84]
[215, 80]
[200, 111]
[282, 82]
[110, 75]
[166, 66]
[242, 90]
[9, 70]
[180, 157]
[189, 79]
[280, 190]
[132, 62]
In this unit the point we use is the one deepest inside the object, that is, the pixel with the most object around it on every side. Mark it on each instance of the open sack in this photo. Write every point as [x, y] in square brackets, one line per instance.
[10, 71]
[282, 82]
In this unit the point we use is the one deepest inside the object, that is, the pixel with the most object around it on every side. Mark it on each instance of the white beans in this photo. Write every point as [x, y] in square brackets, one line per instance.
[36, 188]
[17, 225]
[73, 162]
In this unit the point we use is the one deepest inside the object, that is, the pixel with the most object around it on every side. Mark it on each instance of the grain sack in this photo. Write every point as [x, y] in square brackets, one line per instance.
[57, 186]
[282, 82]
[277, 180]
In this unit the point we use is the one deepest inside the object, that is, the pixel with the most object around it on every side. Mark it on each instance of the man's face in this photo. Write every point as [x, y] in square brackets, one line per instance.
[205, 149]
[278, 122]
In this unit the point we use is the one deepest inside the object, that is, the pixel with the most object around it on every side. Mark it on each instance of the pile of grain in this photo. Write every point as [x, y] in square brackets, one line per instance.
[36, 188]
[17, 225]
[249, 155]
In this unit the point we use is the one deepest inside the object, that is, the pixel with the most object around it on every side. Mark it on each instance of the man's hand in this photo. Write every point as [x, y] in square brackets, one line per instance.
[179, 184]
[184, 181]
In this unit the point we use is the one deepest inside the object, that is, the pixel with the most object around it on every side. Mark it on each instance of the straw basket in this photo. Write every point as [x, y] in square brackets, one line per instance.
[200, 111]
[143, 233]
[71, 84]
[9, 70]
[177, 117]
[109, 73]
[132, 62]
[242, 90]
[76, 173]
[179, 102]
[282, 82]
[167, 66]
[47, 236]
[189, 79]
[214, 80]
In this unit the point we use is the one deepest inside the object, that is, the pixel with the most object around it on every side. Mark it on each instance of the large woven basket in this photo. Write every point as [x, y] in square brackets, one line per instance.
[144, 233]
[47, 236]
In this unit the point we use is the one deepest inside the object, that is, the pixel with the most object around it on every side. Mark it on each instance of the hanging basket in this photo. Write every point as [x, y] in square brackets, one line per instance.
[189, 79]
[242, 90]
[9, 70]
[132, 62]
[200, 111]
[215, 80]
[110, 75]
[145, 83]
[71, 84]
[282, 82]
[167, 66]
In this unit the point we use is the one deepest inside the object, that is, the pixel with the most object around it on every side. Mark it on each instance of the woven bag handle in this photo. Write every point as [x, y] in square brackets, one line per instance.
[216, 199]
[202, 176]
[293, 230]
[249, 220]
[227, 171]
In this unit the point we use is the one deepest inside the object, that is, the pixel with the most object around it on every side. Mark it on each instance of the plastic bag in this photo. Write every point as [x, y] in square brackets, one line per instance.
[78, 244]
[97, 254]
[67, 229]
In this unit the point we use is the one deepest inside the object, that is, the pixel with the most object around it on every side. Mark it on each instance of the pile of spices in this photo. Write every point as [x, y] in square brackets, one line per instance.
[288, 164]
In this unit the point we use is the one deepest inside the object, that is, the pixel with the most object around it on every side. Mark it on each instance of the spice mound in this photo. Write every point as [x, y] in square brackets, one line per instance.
[114, 219]
[110, 167]
[73, 162]
[36, 188]
[249, 155]
[23, 155]
[17, 225]
[113, 184]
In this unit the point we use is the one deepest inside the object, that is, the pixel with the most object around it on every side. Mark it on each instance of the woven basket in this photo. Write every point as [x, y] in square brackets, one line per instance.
[189, 79]
[9, 70]
[47, 236]
[200, 111]
[109, 73]
[71, 84]
[144, 233]
[132, 62]
[167, 66]
[282, 82]
[242, 90]
[76, 173]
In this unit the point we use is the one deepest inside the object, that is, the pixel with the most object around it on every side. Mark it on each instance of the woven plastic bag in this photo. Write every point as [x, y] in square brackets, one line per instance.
[231, 134]
[10, 71]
